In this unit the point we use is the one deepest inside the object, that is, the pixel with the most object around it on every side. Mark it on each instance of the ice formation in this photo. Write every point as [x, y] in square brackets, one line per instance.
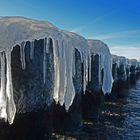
[19, 30]
[125, 63]
[80, 43]
[7, 105]
[98, 47]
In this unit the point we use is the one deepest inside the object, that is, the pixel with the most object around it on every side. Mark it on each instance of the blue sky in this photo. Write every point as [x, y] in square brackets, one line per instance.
[116, 22]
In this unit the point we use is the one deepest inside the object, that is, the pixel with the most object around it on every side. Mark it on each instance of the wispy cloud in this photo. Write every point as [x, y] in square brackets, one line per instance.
[116, 35]
[82, 27]
[130, 51]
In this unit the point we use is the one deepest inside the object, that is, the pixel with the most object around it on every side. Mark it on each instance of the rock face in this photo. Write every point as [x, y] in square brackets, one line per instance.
[30, 92]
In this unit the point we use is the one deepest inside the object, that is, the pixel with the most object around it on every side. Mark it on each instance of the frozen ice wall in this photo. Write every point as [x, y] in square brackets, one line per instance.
[19, 31]
[61, 46]
[123, 66]
[105, 63]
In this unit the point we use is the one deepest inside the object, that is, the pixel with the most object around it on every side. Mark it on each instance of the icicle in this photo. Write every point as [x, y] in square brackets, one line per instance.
[3, 99]
[73, 63]
[85, 70]
[32, 50]
[22, 55]
[11, 109]
[70, 90]
[63, 78]
[89, 66]
[84, 73]
[56, 72]
[107, 79]
[44, 62]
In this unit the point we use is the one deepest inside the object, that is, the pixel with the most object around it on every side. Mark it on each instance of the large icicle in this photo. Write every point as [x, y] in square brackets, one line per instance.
[22, 55]
[70, 90]
[73, 64]
[3, 99]
[56, 72]
[44, 62]
[85, 69]
[63, 78]
[107, 79]
[11, 109]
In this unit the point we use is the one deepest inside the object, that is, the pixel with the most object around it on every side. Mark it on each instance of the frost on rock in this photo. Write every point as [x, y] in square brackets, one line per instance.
[98, 47]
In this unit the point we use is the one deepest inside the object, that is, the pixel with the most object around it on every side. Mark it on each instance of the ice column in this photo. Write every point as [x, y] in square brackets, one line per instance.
[56, 72]
[3, 99]
[70, 90]
[63, 78]
[11, 108]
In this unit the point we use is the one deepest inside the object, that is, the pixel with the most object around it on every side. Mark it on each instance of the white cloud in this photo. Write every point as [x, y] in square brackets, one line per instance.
[131, 51]
[121, 34]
